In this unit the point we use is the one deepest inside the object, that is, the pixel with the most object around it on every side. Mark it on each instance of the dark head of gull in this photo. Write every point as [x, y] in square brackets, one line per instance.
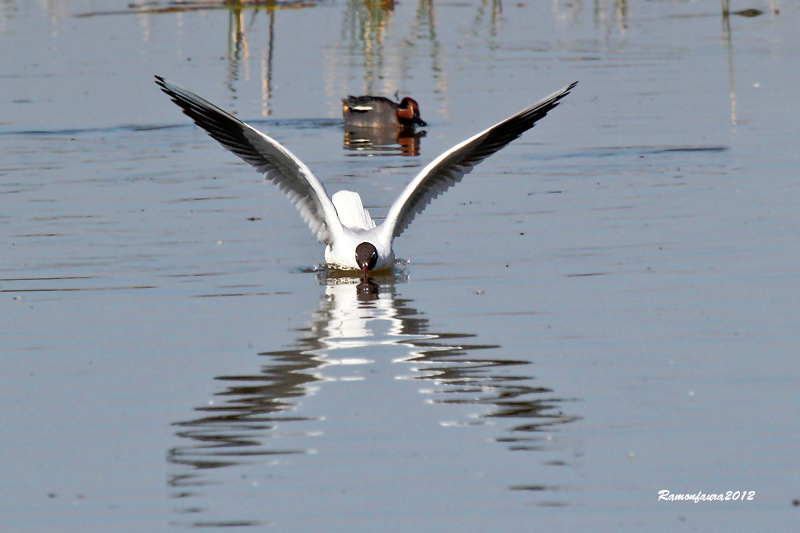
[366, 257]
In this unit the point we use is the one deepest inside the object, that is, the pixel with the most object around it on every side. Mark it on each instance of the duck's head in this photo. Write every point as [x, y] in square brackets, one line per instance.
[408, 113]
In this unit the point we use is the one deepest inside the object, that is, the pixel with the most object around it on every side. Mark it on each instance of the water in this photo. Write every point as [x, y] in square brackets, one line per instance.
[605, 309]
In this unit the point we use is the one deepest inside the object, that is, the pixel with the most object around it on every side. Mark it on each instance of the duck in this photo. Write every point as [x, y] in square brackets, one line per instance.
[354, 242]
[379, 112]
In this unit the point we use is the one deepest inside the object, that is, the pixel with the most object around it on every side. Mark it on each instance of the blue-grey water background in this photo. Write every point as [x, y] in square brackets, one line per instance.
[605, 309]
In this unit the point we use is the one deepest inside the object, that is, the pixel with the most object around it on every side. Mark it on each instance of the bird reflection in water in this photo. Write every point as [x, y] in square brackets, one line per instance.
[383, 141]
[363, 330]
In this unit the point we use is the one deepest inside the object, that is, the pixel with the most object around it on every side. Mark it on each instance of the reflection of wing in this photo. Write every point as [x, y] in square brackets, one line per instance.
[383, 331]
[277, 163]
[448, 169]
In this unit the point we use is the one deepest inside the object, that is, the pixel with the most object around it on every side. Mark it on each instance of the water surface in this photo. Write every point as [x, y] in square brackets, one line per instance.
[605, 309]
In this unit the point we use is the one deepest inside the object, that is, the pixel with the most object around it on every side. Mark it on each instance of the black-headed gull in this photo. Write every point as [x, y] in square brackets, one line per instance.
[353, 240]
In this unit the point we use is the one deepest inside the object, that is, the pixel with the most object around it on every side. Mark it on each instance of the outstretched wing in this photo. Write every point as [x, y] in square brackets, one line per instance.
[448, 169]
[277, 163]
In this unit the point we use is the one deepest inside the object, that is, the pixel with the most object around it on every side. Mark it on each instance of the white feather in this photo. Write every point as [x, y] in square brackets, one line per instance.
[351, 211]
[342, 222]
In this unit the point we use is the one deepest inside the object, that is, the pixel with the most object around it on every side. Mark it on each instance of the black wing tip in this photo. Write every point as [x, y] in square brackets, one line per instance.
[569, 88]
[179, 95]
[527, 118]
[161, 82]
[558, 95]
[549, 103]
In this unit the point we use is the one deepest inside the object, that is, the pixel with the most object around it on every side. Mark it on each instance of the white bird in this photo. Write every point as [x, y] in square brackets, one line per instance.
[353, 240]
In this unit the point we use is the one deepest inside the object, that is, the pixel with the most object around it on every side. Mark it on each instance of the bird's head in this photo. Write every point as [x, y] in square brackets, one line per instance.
[408, 113]
[366, 257]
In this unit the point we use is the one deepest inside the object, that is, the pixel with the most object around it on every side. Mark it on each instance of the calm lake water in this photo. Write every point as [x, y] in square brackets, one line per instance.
[606, 309]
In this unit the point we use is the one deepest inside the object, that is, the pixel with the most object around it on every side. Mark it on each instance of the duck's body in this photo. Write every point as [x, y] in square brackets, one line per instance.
[380, 112]
[353, 239]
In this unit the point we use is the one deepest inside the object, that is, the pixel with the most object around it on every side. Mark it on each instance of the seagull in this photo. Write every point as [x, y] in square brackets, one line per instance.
[353, 240]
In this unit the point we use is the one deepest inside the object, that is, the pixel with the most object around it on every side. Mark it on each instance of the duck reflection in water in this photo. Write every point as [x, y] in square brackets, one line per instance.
[362, 332]
[382, 141]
